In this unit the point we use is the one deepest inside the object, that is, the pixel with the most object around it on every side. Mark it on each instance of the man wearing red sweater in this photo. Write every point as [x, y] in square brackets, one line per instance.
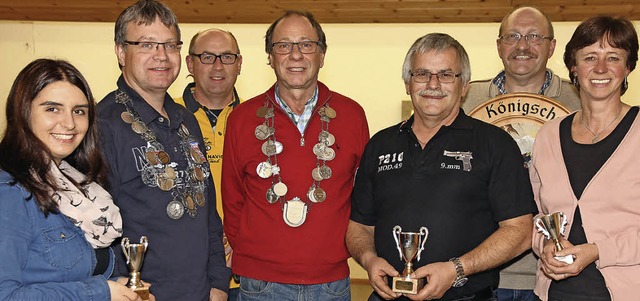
[291, 155]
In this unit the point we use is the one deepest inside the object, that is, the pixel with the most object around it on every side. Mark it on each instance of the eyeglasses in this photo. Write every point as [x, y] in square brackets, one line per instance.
[445, 77]
[532, 38]
[210, 59]
[305, 47]
[151, 47]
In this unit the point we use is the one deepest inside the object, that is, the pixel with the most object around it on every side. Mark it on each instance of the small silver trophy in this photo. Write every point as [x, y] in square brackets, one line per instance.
[553, 226]
[135, 255]
[410, 245]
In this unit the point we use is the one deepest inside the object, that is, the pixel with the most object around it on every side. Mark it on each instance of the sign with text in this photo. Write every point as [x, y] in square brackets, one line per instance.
[520, 115]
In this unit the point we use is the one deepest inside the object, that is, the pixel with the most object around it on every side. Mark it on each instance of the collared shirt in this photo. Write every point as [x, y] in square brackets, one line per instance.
[302, 119]
[399, 183]
[188, 249]
[500, 79]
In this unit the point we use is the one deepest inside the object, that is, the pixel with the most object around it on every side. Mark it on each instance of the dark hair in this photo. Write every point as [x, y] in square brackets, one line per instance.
[192, 44]
[619, 32]
[27, 158]
[322, 38]
[144, 12]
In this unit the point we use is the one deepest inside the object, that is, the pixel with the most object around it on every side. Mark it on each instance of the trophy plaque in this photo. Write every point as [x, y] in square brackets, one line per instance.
[135, 255]
[553, 226]
[410, 245]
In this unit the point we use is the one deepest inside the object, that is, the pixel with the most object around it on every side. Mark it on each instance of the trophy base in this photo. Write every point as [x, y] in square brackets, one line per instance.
[143, 292]
[407, 285]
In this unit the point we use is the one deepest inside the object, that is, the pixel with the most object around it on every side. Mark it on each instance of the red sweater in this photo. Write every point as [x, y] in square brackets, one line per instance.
[264, 247]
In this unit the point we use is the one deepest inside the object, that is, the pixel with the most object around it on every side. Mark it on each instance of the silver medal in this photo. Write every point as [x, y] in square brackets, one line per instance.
[310, 195]
[318, 149]
[264, 169]
[329, 154]
[280, 189]
[175, 209]
[263, 131]
[325, 172]
[269, 148]
[294, 212]
[272, 197]
[315, 174]
[327, 138]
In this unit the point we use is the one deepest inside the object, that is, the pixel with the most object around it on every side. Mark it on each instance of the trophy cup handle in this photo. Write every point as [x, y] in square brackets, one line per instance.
[424, 233]
[396, 236]
[563, 223]
[540, 227]
[125, 248]
[145, 242]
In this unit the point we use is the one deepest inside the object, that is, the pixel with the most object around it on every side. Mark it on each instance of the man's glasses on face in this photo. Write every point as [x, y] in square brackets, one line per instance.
[210, 59]
[306, 47]
[151, 47]
[445, 77]
[532, 38]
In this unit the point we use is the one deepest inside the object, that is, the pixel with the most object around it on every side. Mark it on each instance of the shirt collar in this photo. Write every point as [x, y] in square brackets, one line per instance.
[500, 79]
[193, 105]
[462, 121]
[146, 112]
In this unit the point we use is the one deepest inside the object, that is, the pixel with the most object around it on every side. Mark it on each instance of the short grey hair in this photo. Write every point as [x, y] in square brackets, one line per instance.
[438, 42]
[144, 12]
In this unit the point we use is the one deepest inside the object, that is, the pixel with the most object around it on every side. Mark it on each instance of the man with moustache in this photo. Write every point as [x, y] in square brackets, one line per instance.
[525, 44]
[459, 177]
[290, 157]
[158, 174]
[214, 61]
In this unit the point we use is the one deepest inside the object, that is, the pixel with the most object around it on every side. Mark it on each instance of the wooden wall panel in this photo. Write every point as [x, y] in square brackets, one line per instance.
[326, 11]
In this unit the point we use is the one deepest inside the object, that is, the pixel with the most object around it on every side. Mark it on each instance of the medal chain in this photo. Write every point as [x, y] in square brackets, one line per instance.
[164, 173]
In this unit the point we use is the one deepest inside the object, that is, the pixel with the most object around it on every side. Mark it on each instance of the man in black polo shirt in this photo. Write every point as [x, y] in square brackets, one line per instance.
[159, 175]
[461, 178]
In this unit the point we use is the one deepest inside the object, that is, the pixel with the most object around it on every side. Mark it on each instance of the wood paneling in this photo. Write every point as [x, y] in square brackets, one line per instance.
[326, 11]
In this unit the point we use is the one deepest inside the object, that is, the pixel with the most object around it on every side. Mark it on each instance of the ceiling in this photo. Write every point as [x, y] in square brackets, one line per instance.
[326, 11]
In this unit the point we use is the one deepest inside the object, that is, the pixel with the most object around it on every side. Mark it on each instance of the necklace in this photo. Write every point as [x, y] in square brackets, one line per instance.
[596, 137]
[187, 186]
[294, 210]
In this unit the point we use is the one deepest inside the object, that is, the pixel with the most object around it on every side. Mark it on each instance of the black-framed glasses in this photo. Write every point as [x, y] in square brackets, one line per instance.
[532, 38]
[306, 47]
[210, 58]
[151, 47]
[445, 77]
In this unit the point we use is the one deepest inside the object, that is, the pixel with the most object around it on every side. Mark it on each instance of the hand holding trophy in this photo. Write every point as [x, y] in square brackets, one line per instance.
[135, 255]
[553, 226]
[410, 245]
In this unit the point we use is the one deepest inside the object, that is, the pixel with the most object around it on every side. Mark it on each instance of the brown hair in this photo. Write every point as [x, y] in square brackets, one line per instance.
[322, 38]
[619, 32]
[23, 155]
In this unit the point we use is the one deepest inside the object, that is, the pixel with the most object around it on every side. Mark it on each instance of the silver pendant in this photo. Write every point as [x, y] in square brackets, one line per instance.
[294, 212]
[319, 194]
[175, 209]
[329, 154]
[280, 189]
[272, 197]
[326, 138]
[315, 174]
[325, 172]
[264, 169]
[127, 117]
[263, 132]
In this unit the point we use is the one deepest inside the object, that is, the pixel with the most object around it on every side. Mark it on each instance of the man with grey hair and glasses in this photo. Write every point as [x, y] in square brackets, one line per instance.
[290, 157]
[156, 154]
[525, 44]
[458, 181]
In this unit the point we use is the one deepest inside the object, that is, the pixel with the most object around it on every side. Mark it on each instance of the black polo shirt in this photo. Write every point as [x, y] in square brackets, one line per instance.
[185, 257]
[399, 183]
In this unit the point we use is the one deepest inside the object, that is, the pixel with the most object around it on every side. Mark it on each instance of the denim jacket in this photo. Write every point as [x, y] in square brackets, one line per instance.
[44, 258]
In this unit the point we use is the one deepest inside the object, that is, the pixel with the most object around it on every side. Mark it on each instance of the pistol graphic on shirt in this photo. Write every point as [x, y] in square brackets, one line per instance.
[465, 157]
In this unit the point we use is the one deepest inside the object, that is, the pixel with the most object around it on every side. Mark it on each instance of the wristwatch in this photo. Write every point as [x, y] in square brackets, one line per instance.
[461, 279]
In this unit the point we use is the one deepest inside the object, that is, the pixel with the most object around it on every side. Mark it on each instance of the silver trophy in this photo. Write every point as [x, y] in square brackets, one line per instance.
[410, 245]
[135, 255]
[553, 226]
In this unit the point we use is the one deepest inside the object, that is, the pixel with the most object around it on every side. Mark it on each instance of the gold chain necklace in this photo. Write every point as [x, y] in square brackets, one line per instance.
[596, 137]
